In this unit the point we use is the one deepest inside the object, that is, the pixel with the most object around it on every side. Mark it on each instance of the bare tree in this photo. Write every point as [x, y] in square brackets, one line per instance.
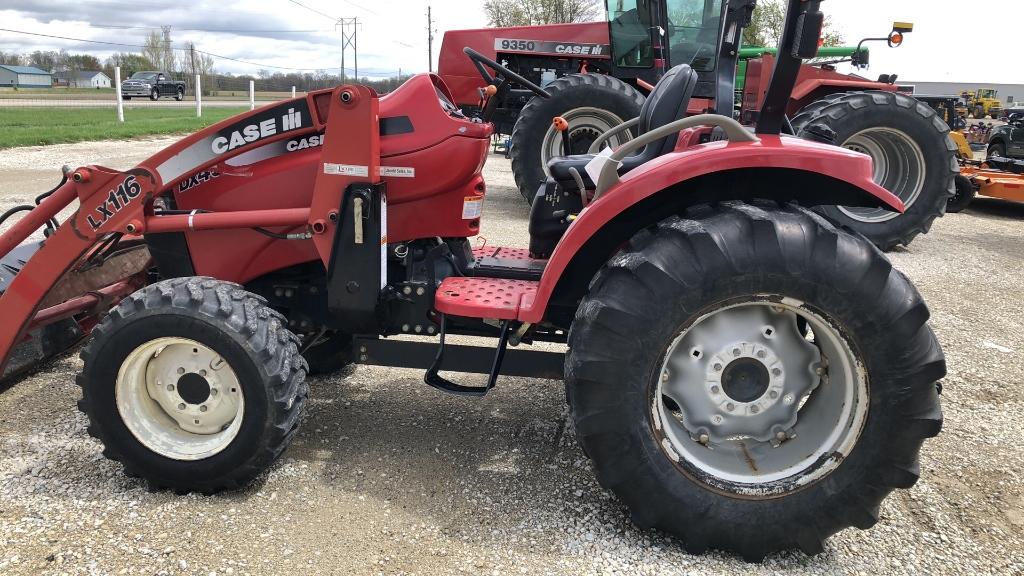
[10, 58]
[768, 21]
[539, 12]
[158, 51]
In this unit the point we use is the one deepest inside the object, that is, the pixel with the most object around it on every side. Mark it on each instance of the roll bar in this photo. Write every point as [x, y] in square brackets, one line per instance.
[609, 175]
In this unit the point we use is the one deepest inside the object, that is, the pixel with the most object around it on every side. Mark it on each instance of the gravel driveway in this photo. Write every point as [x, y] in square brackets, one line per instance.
[388, 476]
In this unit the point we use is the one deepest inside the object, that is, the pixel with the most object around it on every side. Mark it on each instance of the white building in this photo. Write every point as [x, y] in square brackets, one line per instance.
[84, 79]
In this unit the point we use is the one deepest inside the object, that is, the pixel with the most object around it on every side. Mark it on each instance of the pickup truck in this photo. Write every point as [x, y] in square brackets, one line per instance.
[152, 84]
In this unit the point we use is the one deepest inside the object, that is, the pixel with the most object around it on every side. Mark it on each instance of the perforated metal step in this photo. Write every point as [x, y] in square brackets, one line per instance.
[497, 298]
[510, 263]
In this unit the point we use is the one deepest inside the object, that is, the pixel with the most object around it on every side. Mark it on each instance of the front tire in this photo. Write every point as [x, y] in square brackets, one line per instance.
[996, 149]
[714, 477]
[912, 154]
[193, 384]
[591, 103]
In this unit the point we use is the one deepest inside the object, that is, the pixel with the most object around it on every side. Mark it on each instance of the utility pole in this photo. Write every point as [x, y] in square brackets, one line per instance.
[430, 40]
[349, 39]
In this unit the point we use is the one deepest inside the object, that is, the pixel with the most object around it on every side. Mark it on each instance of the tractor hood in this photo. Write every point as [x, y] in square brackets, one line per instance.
[589, 39]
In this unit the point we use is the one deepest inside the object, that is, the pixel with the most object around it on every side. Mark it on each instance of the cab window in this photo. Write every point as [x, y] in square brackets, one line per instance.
[692, 30]
[630, 30]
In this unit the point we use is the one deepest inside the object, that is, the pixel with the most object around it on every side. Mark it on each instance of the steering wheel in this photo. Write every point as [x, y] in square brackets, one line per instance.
[480, 61]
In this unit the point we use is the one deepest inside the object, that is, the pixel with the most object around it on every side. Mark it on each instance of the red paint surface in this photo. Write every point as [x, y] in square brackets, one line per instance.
[484, 297]
[659, 174]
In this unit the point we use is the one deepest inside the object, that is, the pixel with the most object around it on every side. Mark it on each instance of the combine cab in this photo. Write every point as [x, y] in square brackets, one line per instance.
[598, 75]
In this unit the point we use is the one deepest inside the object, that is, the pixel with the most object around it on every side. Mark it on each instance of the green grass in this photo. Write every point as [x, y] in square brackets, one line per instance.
[35, 126]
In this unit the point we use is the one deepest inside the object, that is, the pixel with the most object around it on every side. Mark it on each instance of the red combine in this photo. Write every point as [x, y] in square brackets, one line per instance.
[598, 75]
[743, 372]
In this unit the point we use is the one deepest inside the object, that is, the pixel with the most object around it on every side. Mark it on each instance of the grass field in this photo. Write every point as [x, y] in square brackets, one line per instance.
[36, 126]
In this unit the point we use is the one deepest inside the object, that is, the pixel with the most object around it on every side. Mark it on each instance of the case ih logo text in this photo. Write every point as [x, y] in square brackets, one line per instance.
[197, 179]
[257, 131]
[304, 143]
[545, 47]
[117, 199]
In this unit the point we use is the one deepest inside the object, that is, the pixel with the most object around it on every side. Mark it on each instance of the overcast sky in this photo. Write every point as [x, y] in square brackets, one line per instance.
[393, 32]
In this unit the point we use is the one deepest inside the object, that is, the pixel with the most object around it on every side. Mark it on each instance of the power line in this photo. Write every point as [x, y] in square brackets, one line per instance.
[232, 30]
[296, 2]
[142, 46]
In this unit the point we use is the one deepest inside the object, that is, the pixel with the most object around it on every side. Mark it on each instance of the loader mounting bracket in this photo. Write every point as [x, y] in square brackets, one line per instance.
[357, 273]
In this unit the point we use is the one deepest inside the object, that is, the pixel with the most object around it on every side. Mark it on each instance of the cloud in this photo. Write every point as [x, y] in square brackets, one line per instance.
[392, 34]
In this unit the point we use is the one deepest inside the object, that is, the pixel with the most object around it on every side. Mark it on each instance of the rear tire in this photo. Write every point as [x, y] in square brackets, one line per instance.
[671, 278]
[996, 149]
[965, 191]
[193, 384]
[912, 153]
[180, 94]
[592, 103]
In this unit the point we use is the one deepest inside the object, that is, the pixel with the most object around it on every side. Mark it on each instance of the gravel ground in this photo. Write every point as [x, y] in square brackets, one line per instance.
[388, 476]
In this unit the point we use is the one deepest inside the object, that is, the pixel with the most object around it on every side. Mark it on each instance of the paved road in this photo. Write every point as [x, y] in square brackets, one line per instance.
[388, 476]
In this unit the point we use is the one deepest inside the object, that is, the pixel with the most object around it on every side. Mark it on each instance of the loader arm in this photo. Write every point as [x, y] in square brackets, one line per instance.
[112, 202]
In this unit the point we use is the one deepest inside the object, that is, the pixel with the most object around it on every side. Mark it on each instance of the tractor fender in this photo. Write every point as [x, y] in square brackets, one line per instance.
[778, 168]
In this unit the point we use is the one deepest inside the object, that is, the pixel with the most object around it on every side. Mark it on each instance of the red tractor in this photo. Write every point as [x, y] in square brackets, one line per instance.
[744, 373]
[599, 73]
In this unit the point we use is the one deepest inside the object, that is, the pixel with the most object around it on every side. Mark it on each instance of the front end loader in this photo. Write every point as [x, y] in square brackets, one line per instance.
[744, 373]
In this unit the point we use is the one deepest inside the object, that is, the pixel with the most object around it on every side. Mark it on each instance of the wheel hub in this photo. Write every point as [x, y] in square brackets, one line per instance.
[748, 388]
[193, 388]
[757, 391]
[745, 379]
[180, 398]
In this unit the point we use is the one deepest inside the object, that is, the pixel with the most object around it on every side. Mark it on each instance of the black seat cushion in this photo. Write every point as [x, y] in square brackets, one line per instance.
[666, 103]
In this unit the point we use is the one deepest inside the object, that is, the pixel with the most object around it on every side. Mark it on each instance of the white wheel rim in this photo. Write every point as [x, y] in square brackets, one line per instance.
[791, 448]
[179, 398]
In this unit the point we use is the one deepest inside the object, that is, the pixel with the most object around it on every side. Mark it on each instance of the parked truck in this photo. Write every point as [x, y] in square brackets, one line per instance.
[152, 84]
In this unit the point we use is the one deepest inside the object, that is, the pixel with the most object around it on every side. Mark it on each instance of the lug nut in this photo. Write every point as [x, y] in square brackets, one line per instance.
[170, 387]
[716, 419]
[664, 376]
[203, 408]
[181, 406]
[780, 435]
[181, 370]
[202, 372]
[214, 392]
[704, 439]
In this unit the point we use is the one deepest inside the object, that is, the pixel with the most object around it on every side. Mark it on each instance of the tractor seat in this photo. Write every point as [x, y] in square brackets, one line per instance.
[666, 103]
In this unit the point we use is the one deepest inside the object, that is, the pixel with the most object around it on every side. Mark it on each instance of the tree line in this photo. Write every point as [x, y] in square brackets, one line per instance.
[158, 53]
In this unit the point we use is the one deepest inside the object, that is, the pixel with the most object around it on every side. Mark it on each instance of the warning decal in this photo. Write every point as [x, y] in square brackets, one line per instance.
[472, 207]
